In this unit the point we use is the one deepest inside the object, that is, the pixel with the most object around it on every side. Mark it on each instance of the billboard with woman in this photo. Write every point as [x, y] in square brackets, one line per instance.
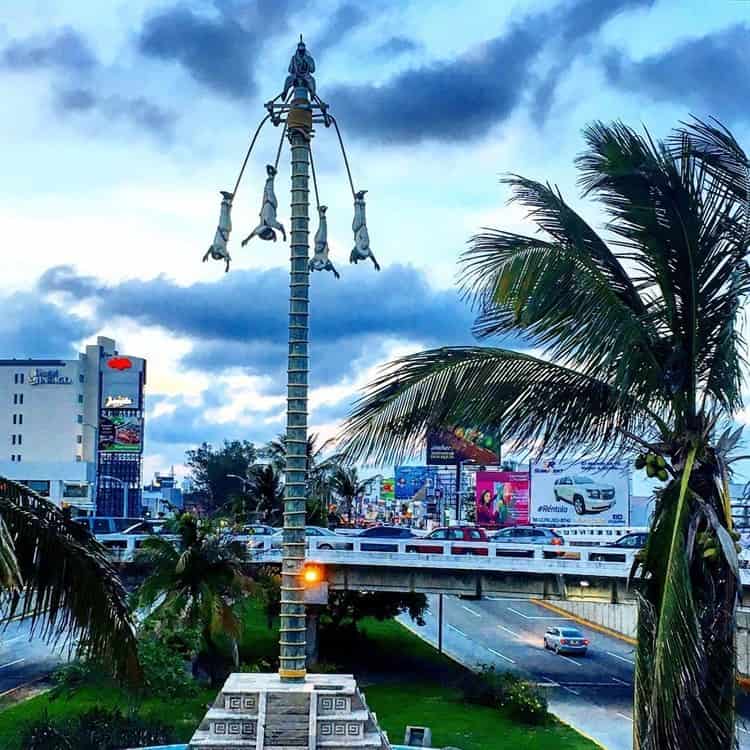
[502, 498]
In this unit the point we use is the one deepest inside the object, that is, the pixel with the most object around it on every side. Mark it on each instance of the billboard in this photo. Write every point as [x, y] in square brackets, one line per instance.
[122, 383]
[502, 498]
[416, 483]
[450, 447]
[120, 434]
[589, 493]
[387, 489]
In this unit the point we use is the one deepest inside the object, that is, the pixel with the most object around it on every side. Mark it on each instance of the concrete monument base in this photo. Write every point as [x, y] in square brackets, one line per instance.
[259, 711]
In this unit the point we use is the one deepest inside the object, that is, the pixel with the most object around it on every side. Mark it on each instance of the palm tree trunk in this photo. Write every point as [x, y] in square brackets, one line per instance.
[685, 660]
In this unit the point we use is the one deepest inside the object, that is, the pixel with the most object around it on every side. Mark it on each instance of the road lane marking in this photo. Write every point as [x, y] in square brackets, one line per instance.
[535, 617]
[570, 690]
[460, 632]
[548, 684]
[508, 630]
[502, 656]
[621, 658]
[622, 682]
[567, 658]
[6, 641]
[11, 663]
[624, 716]
[471, 611]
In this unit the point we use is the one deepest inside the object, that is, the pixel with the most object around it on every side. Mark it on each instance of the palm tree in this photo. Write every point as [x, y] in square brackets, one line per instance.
[345, 483]
[53, 571]
[194, 583]
[266, 488]
[320, 469]
[640, 350]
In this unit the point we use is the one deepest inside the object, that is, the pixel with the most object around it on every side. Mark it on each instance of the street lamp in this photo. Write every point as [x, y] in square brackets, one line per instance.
[297, 109]
[125, 492]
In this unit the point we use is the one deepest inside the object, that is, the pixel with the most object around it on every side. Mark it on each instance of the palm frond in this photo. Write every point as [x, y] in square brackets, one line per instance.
[71, 592]
[538, 403]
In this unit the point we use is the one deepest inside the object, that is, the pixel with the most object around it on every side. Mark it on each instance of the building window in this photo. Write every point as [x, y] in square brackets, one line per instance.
[15, 398]
[80, 378]
[18, 457]
[79, 459]
[20, 419]
[79, 439]
[80, 419]
[75, 490]
[21, 379]
[12, 456]
[15, 418]
[20, 398]
[20, 439]
[80, 398]
[41, 487]
[14, 439]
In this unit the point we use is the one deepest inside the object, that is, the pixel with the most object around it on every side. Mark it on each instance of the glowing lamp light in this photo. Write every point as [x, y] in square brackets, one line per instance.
[311, 575]
[119, 363]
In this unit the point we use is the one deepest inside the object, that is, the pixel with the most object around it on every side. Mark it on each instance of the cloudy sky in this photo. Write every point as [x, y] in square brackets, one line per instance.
[123, 120]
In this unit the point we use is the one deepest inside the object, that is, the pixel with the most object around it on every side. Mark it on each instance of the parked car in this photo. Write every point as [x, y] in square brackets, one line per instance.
[527, 535]
[107, 524]
[455, 535]
[635, 540]
[584, 494]
[274, 541]
[389, 533]
[567, 639]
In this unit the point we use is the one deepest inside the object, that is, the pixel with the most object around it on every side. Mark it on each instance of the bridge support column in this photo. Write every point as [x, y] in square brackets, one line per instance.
[312, 636]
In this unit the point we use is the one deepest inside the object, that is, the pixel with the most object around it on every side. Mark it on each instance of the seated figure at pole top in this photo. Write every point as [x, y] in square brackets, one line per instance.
[301, 68]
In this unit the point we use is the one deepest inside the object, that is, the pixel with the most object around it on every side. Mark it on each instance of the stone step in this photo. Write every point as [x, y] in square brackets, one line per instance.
[222, 713]
[372, 740]
[204, 741]
[360, 715]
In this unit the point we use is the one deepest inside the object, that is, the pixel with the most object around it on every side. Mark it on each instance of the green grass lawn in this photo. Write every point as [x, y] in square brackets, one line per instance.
[183, 714]
[404, 679]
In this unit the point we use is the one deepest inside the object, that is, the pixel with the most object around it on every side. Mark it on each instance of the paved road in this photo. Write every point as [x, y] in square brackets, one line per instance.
[23, 659]
[593, 693]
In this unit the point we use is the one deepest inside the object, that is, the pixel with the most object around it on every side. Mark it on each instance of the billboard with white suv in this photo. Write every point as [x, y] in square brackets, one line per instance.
[590, 493]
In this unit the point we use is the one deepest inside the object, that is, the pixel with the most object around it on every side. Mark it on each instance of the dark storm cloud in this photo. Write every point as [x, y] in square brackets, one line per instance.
[219, 50]
[136, 111]
[709, 73]
[65, 49]
[395, 46]
[30, 327]
[345, 19]
[241, 321]
[483, 87]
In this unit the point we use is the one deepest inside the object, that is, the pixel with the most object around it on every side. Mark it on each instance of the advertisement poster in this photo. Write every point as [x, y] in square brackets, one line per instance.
[502, 498]
[586, 493]
[450, 447]
[414, 482]
[120, 434]
[387, 489]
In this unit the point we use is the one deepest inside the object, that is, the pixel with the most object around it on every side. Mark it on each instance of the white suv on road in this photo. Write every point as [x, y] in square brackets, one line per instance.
[584, 494]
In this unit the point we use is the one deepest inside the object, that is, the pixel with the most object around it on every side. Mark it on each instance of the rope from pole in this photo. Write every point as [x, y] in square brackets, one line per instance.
[315, 180]
[278, 151]
[247, 155]
[343, 152]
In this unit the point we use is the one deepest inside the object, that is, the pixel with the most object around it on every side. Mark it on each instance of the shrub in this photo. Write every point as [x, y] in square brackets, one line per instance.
[525, 702]
[164, 670]
[98, 729]
[522, 701]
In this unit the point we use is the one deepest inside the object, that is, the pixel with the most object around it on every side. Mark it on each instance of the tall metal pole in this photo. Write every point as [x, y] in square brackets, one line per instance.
[293, 621]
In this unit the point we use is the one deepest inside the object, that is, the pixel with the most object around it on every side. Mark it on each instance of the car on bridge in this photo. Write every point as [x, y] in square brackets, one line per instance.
[527, 535]
[566, 639]
[457, 536]
[635, 540]
[325, 540]
[584, 494]
[382, 535]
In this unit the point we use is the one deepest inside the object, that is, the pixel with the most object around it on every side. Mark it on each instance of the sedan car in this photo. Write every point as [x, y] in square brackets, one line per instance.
[527, 535]
[384, 533]
[327, 540]
[634, 540]
[567, 639]
[455, 535]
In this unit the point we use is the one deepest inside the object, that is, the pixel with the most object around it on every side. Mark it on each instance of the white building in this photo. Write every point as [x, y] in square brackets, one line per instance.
[64, 422]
